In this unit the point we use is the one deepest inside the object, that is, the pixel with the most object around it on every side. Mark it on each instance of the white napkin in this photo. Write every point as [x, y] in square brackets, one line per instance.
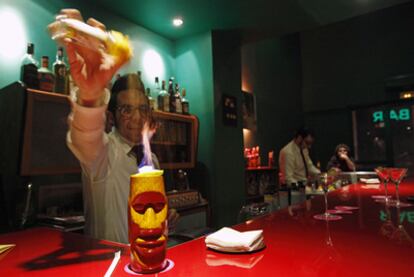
[370, 180]
[230, 240]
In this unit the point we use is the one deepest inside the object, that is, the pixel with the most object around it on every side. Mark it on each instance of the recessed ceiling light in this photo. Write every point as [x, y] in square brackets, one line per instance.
[178, 21]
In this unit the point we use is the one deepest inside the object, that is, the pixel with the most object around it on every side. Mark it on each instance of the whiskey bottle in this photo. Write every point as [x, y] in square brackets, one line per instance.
[163, 99]
[150, 99]
[177, 99]
[156, 91]
[140, 80]
[171, 96]
[184, 102]
[60, 70]
[46, 77]
[29, 67]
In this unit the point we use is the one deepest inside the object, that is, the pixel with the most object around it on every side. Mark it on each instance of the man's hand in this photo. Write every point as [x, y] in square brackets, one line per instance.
[343, 156]
[88, 66]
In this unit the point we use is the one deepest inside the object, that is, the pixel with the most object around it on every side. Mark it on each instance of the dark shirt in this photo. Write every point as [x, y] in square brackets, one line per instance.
[338, 163]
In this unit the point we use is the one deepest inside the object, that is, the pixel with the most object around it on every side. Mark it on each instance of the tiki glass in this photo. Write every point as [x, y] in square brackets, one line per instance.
[147, 213]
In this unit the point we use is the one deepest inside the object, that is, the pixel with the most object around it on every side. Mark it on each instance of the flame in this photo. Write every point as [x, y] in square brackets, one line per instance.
[145, 168]
[146, 162]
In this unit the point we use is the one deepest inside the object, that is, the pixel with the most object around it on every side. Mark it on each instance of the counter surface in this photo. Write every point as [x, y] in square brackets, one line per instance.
[363, 243]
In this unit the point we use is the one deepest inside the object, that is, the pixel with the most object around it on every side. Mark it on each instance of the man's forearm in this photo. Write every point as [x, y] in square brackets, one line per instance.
[86, 136]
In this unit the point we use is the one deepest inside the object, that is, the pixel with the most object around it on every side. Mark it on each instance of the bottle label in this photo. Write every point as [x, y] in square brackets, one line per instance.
[172, 103]
[60, 75]
[185, 107]
[46, 81]
[152, 103]
[164, 103]
[178, 106]
[29, 76]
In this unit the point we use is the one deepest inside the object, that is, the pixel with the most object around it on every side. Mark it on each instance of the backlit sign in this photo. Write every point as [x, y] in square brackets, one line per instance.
[402, 114]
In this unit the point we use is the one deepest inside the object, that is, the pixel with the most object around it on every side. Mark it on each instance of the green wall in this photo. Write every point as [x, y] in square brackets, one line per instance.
[35, 15]
[210, 66]
[194, 69]
[276, 80]
[228, 184]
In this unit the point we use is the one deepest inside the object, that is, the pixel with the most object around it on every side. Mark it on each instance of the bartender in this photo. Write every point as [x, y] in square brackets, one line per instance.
[107, 160]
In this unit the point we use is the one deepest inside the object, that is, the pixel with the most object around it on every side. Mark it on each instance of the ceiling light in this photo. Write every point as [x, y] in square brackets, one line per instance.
[178, 21]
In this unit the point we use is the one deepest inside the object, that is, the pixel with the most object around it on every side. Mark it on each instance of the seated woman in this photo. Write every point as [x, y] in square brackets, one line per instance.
[340, 160]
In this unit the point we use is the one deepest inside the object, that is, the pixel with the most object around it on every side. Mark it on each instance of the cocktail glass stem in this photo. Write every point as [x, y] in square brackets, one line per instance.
[397, 194]
[386, 192]
[326, 204]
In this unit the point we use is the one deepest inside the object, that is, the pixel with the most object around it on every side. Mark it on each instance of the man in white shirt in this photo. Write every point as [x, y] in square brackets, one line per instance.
[107, 160]
[295, 166]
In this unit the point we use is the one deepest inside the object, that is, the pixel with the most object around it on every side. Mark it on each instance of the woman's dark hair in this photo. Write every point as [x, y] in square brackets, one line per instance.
[341, 145]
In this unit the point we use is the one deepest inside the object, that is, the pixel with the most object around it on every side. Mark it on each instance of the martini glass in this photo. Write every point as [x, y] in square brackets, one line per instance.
[384, 175]
[396, 176]
[326, 179]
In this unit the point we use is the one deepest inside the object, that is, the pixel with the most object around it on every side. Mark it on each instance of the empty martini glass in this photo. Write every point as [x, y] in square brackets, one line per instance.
[325, 180]
[396, 176]
[384, 175]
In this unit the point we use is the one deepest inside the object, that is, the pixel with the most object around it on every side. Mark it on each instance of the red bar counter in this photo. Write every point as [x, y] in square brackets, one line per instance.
[296, 245]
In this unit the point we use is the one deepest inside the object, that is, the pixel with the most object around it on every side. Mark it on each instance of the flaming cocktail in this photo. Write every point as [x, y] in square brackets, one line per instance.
[147, 214]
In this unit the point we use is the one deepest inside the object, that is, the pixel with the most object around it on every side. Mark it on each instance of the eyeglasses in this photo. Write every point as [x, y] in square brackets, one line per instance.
[128, 110]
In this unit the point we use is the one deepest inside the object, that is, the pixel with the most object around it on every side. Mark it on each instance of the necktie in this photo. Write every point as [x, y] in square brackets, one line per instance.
[304, 163]
[137, 150]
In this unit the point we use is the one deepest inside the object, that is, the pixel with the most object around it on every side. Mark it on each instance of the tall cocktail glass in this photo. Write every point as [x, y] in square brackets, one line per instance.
[326, 179]
[384, 175]
[396, 176]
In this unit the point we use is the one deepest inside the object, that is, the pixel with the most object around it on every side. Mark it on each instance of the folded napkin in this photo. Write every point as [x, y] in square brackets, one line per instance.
[230, 240]
[370, 180]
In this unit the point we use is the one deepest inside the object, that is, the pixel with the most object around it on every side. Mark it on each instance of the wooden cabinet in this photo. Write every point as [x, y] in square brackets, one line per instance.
[175, 141]
[34, 126]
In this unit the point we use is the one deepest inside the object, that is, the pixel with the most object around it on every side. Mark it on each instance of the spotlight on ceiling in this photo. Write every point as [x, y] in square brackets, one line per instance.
[177, 21]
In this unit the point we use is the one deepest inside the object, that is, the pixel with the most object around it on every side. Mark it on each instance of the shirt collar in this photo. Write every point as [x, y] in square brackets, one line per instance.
[126, 145]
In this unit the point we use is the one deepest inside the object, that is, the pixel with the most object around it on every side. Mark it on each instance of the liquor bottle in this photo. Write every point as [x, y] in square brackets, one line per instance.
[29, 67]
[140, 80]
[177, 99]
[60, 70]
[171, 95]
[185, 105]
[150, 99]
[46, 77]
[157, 91]
[163, 99]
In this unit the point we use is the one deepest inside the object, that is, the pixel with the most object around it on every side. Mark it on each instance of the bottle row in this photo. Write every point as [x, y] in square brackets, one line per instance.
[169, 101]
[253, 159]
[42, 77]
[59, 81]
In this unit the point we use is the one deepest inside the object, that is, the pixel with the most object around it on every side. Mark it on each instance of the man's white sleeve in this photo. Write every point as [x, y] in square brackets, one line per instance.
[86, 136]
